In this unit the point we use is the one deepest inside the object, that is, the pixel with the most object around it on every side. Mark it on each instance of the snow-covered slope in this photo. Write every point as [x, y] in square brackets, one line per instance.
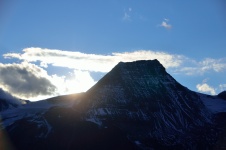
[34, 111]
[7, 101]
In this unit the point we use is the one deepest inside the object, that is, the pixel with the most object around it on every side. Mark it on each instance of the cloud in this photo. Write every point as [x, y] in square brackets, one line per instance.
[204, 87]
[7, 96]
[177, 64]
[222, 87]
[165, 24]
[127, 15]
[29, 81]
[166, 59]
[25, 80]
[193, 67]
[92, 62]
[35, 83]
[212, 64]
[79, 81]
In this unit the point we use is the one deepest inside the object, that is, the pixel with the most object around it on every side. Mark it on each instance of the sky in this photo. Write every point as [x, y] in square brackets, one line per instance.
[50, 48]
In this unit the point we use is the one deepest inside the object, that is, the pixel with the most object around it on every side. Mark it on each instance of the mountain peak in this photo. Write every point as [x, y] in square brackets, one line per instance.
[142, 64]
[128, 72]
[142, 90]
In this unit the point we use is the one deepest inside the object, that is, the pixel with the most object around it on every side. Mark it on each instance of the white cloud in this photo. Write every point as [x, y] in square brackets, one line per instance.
[212, 64]
[177, 64]
[80, 80]
[222, 87]
[93, 62]
[29, 81]
[127, 14]
[193, 67]
[165, 24]
[204, 87]
[25, 80]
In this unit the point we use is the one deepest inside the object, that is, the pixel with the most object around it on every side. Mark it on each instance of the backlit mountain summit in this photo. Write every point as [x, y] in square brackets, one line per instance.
[143, 99]
[137, 105]
[143, 90]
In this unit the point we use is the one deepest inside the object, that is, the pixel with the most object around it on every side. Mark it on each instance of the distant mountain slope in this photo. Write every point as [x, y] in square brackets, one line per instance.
[137, 105]
[34, 111]
[222, 95]
[7, 101]
[214, 104]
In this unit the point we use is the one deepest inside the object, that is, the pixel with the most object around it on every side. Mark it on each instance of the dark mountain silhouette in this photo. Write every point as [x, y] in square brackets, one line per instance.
[137, 105]
[222, 95]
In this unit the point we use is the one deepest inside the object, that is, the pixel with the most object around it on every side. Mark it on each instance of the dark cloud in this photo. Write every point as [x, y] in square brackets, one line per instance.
[25, 80]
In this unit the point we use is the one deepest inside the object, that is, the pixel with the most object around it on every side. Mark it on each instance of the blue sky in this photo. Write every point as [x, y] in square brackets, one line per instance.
[55, 42]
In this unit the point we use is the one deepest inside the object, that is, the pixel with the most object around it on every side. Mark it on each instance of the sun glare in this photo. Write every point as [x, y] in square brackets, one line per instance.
[80, 82]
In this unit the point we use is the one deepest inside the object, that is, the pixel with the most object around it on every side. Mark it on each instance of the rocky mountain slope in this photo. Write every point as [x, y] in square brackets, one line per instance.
[7, 101]
[137, 105]
[142, 99]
